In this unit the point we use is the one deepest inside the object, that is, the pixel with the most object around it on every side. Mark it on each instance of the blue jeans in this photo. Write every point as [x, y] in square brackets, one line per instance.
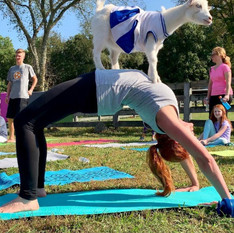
[209, 131]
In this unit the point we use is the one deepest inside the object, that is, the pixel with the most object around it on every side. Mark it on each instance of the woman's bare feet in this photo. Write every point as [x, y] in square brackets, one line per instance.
[11, 140]
[19, 204]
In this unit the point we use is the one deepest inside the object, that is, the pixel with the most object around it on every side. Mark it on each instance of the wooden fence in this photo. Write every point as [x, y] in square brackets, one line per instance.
[190, 101]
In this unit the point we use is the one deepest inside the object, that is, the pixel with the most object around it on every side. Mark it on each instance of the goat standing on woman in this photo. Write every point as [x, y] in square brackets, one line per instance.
[130, 29]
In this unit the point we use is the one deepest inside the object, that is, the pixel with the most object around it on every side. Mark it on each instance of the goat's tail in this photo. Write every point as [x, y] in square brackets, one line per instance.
[99, 5]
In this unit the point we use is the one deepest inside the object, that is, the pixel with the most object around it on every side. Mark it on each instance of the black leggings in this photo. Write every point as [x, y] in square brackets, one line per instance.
[77, 95]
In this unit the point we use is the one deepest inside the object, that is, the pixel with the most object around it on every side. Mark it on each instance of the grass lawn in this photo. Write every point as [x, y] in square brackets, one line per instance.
[199, 219]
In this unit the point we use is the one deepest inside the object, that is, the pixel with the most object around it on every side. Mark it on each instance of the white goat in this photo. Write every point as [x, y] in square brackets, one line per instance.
[195, 11]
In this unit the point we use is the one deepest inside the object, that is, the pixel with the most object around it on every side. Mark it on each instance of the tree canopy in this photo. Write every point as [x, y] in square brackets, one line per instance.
[32, 18]
[7, 55]
[184, 57]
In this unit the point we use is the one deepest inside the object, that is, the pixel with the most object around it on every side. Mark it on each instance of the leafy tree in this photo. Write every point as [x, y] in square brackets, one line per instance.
[72, 59]
[223, 21]
[54, 44]
[7, 54]
[184, 58]
[131, 61]
[32, 17]
[221, 32]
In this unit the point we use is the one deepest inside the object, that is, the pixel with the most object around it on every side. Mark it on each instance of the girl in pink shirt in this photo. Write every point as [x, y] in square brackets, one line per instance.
[220, 79]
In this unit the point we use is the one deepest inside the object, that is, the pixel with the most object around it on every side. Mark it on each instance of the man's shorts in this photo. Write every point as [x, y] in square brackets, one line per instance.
[15, 106]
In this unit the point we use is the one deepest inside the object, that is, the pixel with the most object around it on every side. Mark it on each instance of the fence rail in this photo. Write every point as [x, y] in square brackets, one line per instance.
[190, 102]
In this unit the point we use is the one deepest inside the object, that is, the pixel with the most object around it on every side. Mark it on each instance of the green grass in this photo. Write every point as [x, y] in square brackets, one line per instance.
[199, 219]
[204, 116]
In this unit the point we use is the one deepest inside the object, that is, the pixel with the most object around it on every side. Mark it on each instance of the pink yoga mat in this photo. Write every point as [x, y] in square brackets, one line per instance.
[79, 142]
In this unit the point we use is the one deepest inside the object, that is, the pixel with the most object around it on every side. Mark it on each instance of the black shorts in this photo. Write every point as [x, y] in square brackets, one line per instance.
[15, 106]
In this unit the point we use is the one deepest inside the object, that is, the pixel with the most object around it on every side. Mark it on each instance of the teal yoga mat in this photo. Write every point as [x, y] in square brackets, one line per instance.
[111, 201]
[7, 153]
[68, 176]
[146, 148]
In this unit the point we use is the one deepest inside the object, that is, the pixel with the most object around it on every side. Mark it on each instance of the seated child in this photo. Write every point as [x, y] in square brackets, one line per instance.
[217, 130]
[145, 129]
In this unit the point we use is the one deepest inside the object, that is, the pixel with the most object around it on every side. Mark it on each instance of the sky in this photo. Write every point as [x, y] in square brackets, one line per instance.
[67, 29]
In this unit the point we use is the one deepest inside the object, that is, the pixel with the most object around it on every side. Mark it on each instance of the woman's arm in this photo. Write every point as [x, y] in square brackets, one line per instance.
[228, 77]
[8, 92]
[34, 83]
[167, 120]
[190, 170]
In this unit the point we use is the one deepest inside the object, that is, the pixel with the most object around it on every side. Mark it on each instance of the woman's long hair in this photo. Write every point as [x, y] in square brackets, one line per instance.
[223, 118]
[170, 150]
[222, 53]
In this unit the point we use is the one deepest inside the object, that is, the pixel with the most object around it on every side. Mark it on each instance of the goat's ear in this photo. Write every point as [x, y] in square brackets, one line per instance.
[163, 9]
[190, 2]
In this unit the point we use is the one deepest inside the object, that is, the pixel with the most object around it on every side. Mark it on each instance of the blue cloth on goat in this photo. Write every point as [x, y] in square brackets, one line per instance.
[63, 177]
[130, 27]
[111, 201]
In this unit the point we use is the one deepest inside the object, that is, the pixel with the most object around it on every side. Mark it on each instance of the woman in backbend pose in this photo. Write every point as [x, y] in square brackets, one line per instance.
[103, 92]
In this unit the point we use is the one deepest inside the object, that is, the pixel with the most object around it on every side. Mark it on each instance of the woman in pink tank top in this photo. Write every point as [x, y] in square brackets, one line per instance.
[220, 78]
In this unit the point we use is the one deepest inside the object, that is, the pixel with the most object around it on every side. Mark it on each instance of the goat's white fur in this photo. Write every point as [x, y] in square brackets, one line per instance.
[194, 11]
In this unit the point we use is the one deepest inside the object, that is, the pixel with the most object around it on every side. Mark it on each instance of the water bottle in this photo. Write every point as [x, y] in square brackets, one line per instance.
[207, 104]
[56, 150]
[225, 104]
[226, 207]
[83, 160]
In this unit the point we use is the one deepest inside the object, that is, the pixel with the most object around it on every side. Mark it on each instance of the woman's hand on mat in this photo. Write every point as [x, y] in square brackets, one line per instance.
[188, 189]
[209, 203]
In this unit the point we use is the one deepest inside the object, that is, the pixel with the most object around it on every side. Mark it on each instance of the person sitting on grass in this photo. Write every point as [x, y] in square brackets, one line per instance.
[104, 92]
[3, 130]
[217, 130]
[145, 129]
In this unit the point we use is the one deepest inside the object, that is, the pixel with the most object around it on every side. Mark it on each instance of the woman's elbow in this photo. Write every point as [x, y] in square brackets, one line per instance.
[205, 162]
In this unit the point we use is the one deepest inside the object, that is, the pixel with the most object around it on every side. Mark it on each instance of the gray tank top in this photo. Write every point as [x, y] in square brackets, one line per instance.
[116, 88]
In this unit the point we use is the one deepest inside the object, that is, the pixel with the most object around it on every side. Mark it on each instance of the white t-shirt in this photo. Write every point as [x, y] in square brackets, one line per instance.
[116, 88]
[19, 77]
